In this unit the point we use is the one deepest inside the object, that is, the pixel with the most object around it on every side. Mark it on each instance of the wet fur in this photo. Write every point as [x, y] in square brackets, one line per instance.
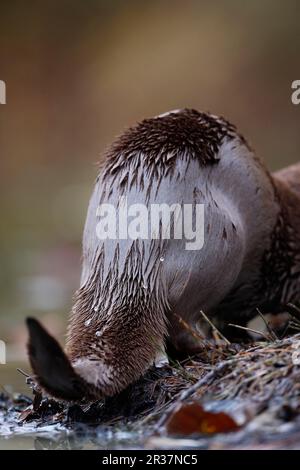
[132, 292]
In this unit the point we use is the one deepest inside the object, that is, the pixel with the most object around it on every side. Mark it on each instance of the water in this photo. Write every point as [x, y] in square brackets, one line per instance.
[58, 437]
[15, 435]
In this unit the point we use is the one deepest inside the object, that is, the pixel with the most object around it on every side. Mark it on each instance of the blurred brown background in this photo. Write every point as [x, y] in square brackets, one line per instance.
[77, 72]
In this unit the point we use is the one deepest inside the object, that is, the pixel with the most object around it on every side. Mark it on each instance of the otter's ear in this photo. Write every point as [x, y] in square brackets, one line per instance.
[51, 366]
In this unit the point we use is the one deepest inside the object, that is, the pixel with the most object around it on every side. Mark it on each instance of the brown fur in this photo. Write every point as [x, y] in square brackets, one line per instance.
[159, 141]
[132, 293]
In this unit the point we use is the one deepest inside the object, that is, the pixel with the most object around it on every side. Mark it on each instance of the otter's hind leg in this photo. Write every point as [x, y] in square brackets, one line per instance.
[186, 341]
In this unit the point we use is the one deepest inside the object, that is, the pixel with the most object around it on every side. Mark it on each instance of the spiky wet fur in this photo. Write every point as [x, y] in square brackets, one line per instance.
[130, 291]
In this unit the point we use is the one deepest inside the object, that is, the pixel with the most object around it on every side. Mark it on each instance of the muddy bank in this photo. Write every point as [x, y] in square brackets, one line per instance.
[229, 397]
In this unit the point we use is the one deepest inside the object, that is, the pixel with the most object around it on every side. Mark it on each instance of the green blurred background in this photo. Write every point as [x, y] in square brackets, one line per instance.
[77, 72]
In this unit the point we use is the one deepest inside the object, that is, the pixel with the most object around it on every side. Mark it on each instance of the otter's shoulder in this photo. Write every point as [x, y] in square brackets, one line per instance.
[159, 141]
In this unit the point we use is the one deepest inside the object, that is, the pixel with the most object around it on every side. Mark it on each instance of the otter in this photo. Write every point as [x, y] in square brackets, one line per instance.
[134, 292]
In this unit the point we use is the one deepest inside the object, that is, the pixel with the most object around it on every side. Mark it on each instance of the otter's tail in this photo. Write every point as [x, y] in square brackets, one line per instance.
[51, 366]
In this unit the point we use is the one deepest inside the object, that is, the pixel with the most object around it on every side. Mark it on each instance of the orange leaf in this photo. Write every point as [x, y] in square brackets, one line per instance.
[193, 419]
